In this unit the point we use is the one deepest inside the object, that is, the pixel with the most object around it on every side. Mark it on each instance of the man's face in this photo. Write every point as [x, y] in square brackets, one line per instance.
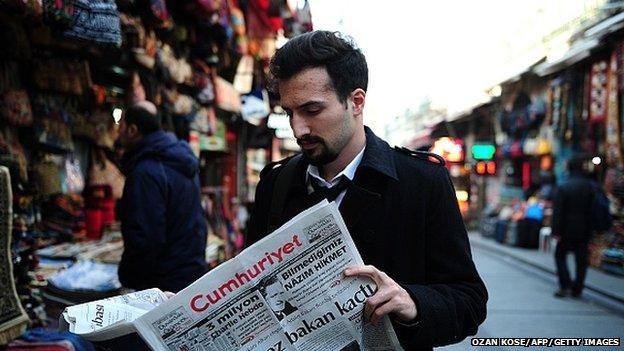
[275, 297]
[321, 123]
[127, 134]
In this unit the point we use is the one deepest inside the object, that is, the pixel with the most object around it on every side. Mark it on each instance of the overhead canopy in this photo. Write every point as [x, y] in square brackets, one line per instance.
[579, 51]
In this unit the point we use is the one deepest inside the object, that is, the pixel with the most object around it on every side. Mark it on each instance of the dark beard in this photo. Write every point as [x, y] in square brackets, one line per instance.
[326, 156]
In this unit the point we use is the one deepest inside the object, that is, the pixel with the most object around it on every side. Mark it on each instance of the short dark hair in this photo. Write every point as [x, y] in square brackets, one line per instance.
[344, 62]
[145, 121]
[576, 164]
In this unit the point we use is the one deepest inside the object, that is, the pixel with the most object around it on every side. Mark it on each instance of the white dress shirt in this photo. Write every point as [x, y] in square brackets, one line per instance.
[348, 172]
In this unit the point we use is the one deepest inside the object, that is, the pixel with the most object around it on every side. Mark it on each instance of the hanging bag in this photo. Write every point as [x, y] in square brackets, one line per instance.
[104, 172]
[59, 13]
[15, 106]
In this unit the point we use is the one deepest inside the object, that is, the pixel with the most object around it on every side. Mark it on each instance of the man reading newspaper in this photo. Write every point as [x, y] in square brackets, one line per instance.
[286, 292]
[398, 205]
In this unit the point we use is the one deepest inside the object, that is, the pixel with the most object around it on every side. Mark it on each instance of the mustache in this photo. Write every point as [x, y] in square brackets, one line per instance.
[309, 139]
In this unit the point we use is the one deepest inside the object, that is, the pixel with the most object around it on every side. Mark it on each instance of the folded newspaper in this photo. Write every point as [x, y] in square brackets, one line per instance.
[286, 292]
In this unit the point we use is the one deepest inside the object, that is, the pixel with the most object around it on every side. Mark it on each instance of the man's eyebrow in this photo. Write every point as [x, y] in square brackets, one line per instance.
[310, 103]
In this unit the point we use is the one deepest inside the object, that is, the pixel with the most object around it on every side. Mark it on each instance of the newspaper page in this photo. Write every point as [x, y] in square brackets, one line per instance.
[112, 317]
[286, 292]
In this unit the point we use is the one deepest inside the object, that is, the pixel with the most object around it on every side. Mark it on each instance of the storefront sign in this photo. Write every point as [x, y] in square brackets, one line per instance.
[451, 149]
[483, 151]
[215, 142]
[484, 168]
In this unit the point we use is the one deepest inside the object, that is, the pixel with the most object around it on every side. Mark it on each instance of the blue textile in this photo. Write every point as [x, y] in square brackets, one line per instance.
[534, 211]
[87, 275]
[42, 335]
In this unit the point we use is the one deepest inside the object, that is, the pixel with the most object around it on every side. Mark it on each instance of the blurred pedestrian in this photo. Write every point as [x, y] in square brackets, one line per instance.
[572, 227]
[162, 222]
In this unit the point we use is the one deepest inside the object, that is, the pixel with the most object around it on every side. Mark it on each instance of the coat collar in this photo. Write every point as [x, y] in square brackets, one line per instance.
[378, 155]
[367, 188]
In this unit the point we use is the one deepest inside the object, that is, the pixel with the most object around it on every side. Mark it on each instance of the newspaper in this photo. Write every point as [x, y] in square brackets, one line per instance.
[112, 317]
[286, 292]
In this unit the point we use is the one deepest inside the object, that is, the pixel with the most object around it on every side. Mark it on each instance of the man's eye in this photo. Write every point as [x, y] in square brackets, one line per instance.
[313, 112]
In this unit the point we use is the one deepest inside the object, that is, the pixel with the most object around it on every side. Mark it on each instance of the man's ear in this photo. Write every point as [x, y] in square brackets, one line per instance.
[132, 130]
[358, 99]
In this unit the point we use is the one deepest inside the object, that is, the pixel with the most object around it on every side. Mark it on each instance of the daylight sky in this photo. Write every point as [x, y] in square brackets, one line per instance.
[448, 51]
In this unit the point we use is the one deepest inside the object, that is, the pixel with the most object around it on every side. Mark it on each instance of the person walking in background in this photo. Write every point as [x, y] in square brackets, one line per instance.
[162, 221]
[572, 226]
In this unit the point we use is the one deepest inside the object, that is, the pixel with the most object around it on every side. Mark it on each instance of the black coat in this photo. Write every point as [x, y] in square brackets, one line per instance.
[162, 220]
[572, 209]
[404, 219]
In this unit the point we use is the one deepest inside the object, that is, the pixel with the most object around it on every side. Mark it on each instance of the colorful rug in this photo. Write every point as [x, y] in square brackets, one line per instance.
[13, 318]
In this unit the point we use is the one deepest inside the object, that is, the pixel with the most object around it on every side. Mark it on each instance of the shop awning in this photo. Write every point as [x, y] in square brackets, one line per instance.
[607, 26]
[516, 74]
[579, 51]
[582, 48]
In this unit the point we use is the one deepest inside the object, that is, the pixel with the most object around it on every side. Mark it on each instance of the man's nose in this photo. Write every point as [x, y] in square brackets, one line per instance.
[299, 126]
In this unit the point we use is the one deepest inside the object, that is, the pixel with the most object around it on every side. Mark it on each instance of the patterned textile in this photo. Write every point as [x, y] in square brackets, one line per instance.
[613, 143]
[598, 93]
[13, 318]
[96, 21]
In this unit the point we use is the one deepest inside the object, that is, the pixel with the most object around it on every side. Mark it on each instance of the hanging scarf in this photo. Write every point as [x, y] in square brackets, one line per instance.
[598, 92]
[613, 144]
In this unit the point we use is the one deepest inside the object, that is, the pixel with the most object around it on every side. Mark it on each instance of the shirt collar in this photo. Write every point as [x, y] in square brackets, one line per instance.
[348, 172]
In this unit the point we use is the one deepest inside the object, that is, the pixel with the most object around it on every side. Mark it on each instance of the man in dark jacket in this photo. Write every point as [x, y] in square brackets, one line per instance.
[399, 207]
[162, 221]
[572, 227]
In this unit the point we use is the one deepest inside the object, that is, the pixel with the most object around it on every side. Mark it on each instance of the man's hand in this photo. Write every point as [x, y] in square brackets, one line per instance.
[389, 298]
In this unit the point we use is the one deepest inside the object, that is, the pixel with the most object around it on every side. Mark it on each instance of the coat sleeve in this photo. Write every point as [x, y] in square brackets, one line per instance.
[258, 219]
[143, 227]
[557, 217]
[452, 303]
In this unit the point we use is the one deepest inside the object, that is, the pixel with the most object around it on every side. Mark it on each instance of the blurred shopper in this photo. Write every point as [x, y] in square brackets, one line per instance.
[399, 206]
[572, 227]
[162, 223]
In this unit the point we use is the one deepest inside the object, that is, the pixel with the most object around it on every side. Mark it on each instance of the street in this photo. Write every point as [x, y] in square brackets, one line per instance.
[521, 304]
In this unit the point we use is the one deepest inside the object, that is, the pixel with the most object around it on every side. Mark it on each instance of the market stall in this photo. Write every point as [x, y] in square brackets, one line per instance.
[67, 71]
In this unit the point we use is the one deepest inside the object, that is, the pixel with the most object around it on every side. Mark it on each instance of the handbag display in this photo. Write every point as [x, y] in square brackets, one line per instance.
[47, 176]
[31, 9]
[73, 180]
[13, 38]
[15, 108]
[58, 13]
[52, 123]
[177, 70]
[64, 76]
[158, 16]
[104, 172]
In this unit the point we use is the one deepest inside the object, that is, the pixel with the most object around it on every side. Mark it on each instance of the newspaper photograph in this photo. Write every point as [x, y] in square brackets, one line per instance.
[286, 292]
